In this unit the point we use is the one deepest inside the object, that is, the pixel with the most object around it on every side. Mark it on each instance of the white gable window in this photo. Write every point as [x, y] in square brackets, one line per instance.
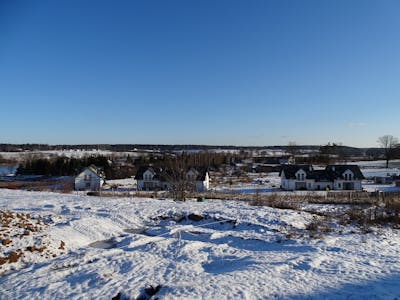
[300, 176]
[348, 175]
[148, 175]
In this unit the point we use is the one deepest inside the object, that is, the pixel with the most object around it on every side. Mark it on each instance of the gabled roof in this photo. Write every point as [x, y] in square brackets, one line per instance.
[95, 170]
[321, 175]
[143, 169]
[163, 174]
[330, 173]
[291, 170]
[337, 171]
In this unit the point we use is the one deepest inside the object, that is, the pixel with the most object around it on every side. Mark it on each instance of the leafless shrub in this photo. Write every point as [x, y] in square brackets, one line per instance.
[291, 235]
[319, 224]
[318, 227]
[67, 187]
[382, 213]
[275, 201]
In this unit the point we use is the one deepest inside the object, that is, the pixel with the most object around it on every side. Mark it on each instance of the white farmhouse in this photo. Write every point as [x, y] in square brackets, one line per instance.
[333, 177]
[91, 178]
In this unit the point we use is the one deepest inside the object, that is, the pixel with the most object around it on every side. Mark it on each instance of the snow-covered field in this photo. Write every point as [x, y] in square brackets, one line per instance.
[122, 184]
[260, 183]
[373, 172]
[193, 250]
[395, 163]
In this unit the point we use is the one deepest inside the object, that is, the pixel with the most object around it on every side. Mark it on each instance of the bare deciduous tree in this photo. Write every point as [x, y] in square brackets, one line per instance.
[388, 143]
[176, 175]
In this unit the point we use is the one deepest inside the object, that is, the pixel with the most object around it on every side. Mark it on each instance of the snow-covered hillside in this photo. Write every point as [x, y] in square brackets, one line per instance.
[95, 248]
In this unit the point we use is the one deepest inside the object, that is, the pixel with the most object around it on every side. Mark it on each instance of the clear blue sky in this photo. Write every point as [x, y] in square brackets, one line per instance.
[199, 72]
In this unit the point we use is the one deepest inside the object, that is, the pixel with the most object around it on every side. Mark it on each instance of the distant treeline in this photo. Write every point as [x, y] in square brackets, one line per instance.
[199, 159]
[133, 147]
[63, 166]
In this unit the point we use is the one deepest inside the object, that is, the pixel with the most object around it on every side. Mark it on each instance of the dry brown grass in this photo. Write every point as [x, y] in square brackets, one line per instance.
[51, 185]
[275, 201]
[381, 212]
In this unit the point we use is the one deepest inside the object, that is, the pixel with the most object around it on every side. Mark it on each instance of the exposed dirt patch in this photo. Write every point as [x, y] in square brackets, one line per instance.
[23, 239]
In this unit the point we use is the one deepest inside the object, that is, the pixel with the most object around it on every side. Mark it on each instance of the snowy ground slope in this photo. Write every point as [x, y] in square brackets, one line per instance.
[236, 251]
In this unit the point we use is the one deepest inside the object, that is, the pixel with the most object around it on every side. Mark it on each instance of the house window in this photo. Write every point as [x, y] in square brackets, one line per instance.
[345, 176]
[340, 185]
[349, 176]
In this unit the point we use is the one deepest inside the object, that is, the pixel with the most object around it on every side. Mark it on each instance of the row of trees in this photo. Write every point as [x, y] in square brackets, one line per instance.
[113, 169]
[195, 159]
[63, 166]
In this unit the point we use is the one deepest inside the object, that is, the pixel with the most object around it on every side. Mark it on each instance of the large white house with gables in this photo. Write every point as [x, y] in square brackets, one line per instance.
[91, 178]
[150, 178]
[333, 177]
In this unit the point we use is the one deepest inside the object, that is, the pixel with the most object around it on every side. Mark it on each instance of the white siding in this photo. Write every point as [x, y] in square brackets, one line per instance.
[202, 186]
[88, 180]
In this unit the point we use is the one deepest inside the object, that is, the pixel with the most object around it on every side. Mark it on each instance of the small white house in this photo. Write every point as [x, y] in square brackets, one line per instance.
[333, 177]
[91, 178]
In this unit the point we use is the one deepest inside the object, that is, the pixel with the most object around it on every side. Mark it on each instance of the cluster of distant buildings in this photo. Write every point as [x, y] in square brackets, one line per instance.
[293, 177]
[148, 178]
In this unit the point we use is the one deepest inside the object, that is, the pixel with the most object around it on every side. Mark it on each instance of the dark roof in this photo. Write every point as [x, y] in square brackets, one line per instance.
[321, 175]
[142, 169]
[330, 173]
[96, 170]
[202, 172]
[291, 170]
[164, 174]
[338, 170]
